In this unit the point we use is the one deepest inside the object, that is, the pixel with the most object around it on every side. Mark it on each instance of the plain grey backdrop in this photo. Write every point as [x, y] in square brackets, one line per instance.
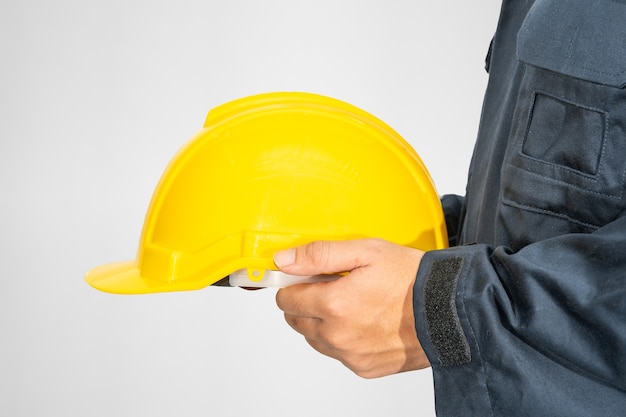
[96, 97]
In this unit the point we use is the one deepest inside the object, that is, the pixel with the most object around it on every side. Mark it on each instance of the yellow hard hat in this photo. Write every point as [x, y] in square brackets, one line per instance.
[269, 172]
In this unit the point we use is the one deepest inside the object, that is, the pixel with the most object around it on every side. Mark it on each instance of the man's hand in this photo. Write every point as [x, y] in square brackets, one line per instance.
[363, 319]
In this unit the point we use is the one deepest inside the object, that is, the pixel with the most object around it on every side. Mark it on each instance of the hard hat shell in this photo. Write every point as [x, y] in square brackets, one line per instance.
[269, 172]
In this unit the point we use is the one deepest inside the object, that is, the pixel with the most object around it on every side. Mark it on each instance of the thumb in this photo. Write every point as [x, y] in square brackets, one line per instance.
[322, 257]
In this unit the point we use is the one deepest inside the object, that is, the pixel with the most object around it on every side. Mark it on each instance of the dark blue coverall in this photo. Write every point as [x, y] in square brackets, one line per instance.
[525, 315]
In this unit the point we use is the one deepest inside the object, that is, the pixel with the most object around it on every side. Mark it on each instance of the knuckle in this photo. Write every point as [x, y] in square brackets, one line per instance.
[367, 374]
[281, 299]
[317, 252]
[360, 365]
[334, 308]
[335, 339]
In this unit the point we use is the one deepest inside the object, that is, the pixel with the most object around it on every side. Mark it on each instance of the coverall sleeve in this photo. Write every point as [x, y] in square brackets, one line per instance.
[538, 332]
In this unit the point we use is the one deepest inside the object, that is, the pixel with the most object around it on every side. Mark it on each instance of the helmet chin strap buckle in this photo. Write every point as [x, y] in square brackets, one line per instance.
[273, 279]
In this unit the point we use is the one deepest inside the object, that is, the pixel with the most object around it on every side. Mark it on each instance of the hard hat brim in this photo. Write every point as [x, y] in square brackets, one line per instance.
[125, 278]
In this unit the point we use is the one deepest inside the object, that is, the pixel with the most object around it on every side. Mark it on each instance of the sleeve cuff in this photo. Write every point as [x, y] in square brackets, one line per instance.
[445, 332]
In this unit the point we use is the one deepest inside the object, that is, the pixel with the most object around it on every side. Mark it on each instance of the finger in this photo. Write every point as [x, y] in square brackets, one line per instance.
[324, 348]
[311, 330]
[306, 326]
[325, 257]
[302, 300]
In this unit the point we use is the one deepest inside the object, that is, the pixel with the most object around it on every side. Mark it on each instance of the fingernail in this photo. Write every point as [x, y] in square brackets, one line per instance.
[285, 257]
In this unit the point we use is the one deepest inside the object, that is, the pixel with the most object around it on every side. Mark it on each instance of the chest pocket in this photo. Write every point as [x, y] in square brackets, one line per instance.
[567, 155]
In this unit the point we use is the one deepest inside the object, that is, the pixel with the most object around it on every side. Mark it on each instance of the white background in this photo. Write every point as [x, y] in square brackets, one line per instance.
[95, 98]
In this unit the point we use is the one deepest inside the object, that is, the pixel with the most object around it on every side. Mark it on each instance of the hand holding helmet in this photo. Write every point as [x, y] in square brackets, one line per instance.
[365, 319]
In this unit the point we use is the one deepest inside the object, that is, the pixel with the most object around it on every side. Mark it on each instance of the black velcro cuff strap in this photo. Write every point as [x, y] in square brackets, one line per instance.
[442, 319]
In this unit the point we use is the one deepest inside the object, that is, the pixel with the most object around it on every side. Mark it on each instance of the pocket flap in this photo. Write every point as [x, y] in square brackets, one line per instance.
[585, 39]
